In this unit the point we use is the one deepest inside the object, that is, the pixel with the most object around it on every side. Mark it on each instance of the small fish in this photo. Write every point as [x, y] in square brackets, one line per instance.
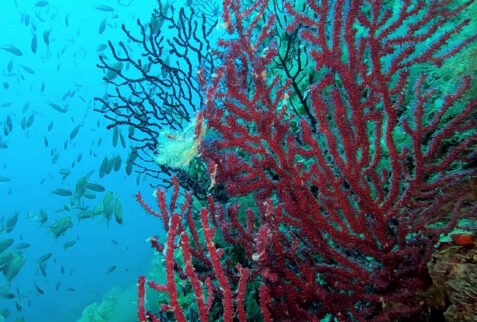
[34, 44]
[46, 37]
[102, 47]
[106, 8]
[22, 246]
[28, 69]
[69, 244]
[119, 211]
[113, 71]
[109, 202]
[115, 136]
[44, 258]
[59, 108]
[117, 163]
[15, 266]
[58, 284]
[11, 222]
[45, 141]
[102, 167]
[89, 195]
[102, 26]
[80, 187]
[41, 3]
[65, 172]
[62, 192]
[13, 50]
[39, 290]
[3, 145]
[95, 187]
[123, 141]
[4, 179]
[111, 269]
[7, 296]
[43, 216]
[18, 305]
[5, 243]
[61, 226]
[75, 131]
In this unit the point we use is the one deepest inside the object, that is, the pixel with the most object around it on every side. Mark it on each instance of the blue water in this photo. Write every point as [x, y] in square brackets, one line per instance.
[66, 65]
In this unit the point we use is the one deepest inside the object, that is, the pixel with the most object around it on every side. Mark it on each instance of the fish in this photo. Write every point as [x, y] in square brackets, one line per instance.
[13, 50]
[34, 44]
[30, 120]
[46, 37]
[45, 141]
[75, 131]
[65, 172]
[98, 209]
[7, 296]
[11, 222]
[69, 244]
[113, 71]
[58, 284]
[80, 187]
[39, 290]
[62, 192]
[15, 266]
[117, 163]
[102, 26]
[119, 211]
[102, 47]
[111, 269]
[89, 195]
[4, 179]
[102, 167]
[110, 166]
[61, 226]
[18, 305]
[109, 202]
[41, 3]
[95, 187]
[9, 123]
[3, 145]
[5, 243]
[59, 108]
[22, 246]
[85, 214]
[28, 70]
[105, 8]
[115, 136]
[123, 141]
[43, 216]
[55, 158]
[44, 258]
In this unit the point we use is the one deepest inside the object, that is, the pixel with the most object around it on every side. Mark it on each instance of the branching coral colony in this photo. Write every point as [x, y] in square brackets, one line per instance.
[350, 175]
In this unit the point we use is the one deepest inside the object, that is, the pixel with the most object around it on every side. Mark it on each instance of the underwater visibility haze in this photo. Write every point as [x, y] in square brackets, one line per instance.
[268, 160]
